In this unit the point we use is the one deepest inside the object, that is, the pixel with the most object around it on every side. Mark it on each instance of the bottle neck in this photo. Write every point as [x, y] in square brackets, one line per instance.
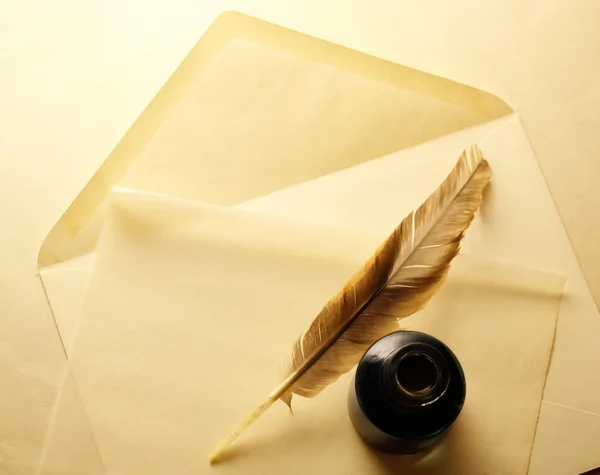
[414, 376]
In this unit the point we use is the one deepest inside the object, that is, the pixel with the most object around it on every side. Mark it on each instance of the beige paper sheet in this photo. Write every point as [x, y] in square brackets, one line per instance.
[164, 378]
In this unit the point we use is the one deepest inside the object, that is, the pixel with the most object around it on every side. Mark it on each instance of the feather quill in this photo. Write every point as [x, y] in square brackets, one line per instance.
[397, 281]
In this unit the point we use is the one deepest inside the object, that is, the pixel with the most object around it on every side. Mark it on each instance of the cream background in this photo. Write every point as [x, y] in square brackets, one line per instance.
[74, 76]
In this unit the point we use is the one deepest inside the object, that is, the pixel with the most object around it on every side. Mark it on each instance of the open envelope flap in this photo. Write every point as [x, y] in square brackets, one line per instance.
[255, 108]
[163, 377]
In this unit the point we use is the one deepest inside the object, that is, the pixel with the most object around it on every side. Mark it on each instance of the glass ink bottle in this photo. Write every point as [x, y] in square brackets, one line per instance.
[408, 390]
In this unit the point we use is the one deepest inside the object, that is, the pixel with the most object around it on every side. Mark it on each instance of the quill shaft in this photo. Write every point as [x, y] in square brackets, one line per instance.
[259, 411]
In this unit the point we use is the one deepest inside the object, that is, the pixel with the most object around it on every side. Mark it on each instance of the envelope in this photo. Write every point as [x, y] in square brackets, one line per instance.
[300, 137]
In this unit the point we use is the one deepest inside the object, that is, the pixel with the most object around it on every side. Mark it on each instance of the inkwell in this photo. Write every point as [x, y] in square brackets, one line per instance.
[408, 390]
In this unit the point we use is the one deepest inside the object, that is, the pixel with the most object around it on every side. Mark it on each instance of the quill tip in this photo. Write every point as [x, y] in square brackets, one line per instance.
[216, 454]
[214, 457]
